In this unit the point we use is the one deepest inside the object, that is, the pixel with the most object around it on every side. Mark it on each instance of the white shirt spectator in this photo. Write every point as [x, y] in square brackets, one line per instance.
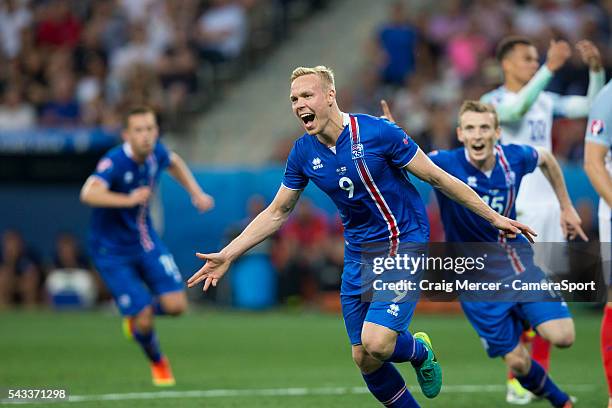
[17, 117]
[230, 23]
[12, 22]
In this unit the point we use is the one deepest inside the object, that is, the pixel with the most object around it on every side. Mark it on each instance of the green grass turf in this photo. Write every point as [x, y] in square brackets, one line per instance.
[87, 353]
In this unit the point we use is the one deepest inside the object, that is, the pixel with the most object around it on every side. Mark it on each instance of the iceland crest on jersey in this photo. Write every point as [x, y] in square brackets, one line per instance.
[357, 151]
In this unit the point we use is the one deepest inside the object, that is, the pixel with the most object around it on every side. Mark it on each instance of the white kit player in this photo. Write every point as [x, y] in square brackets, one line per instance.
[598, 166]
[526, 113]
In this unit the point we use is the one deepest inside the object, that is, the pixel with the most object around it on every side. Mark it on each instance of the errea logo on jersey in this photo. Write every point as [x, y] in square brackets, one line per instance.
[471, 181]
[393, 310]
[316, 163]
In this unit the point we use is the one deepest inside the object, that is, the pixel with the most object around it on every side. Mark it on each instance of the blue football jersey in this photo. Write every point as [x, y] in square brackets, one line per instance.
[498, 190]
[126, 230]
[365, 177]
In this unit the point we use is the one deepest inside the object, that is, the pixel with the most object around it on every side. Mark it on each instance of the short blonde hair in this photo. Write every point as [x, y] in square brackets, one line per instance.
[478, 107]
[323, 72]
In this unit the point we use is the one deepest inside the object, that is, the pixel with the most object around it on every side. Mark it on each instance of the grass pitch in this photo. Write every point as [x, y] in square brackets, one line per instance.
[275, 359]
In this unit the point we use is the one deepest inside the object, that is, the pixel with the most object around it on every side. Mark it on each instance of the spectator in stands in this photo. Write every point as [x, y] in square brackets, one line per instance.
[32, 76]
[62, 110]
[58, 27]
[467, 49]
[397, 40]
[90, 90]
[14, 18]
[440, 133]
[222, 30]
[177, 70]
[300, 253]
[410, 105]
[136, 52]
[19, 273]
[15, 113]
[71, 280]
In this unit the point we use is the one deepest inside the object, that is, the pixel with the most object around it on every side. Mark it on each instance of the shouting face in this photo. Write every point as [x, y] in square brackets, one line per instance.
[311, 102]
[479, 134]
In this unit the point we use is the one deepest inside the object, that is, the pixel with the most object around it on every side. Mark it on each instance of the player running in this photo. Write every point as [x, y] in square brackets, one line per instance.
[360, 162]
[495, 172]
[526, 115]
[129, 255]
[598, 166]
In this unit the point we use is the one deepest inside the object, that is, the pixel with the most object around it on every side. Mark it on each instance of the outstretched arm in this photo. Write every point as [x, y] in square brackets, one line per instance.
[570, 220]
[265, 224]
[422, 167]
[181, 173]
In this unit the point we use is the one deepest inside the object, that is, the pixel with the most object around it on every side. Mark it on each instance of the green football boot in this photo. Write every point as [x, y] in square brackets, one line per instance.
[429, 374]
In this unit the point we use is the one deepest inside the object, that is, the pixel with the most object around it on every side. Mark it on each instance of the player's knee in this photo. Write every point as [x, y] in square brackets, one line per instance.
[377, 347]
[176, 307]
[364, 361]
[563, 338]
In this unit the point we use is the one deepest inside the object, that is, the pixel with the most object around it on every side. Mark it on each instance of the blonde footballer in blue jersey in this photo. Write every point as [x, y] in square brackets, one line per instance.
[360, 162]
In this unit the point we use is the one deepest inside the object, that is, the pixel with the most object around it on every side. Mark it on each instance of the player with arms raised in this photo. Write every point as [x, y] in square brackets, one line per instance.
[598, 166]
[125, 248]
[361, 162]
[526, 114]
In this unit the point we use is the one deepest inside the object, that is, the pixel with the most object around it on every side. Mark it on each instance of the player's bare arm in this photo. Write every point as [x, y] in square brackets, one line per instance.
[594, 165]
[570, 220]
[95, 193]
[265, 224]
[181, 173]
[422, 167]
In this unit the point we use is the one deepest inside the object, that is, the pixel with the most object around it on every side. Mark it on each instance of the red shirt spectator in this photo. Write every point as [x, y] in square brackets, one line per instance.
[59, 27]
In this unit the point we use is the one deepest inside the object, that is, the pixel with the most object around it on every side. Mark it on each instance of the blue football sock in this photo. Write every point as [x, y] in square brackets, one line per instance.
[149, 344]
[408, 349]
[539, 383]
[388, 386]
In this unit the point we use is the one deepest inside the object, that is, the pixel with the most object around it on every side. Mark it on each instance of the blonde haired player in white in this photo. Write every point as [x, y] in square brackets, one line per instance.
[598, 166]
[526, 114]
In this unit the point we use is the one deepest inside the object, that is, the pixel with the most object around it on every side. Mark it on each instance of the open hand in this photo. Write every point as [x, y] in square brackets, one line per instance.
[571, 224]
[511, 228]
[215, 267]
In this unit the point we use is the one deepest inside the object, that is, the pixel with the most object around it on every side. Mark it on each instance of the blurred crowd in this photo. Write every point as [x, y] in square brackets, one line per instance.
[66, 63]
[430, 56]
